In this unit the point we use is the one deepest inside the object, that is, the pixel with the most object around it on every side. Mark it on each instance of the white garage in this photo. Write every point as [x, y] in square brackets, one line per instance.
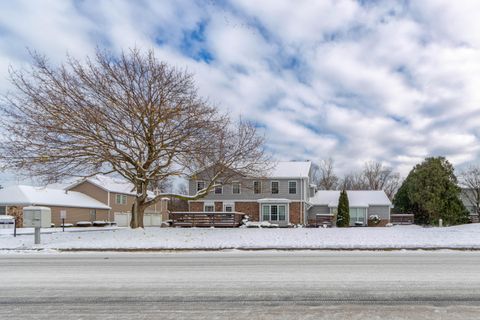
[122, 219]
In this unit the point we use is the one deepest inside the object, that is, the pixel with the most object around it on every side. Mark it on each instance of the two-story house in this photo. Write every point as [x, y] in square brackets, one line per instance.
[281, 197]
[286, 195]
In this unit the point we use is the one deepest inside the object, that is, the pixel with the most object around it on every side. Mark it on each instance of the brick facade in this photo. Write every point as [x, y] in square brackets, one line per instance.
[295, 213]
[252, 209]
[196, 206]
[218, 206]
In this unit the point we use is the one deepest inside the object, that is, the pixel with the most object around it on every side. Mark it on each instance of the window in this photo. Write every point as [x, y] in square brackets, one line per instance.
[274, 187]
[2, 211]
[200, 185]
[266, 213]
[236, 187]
[228, 208]
[292, 187]
[357, 215]
[209, 208]
[257, 187]
[93, 214]
[274, 212]
[219, 189]
[121, 199]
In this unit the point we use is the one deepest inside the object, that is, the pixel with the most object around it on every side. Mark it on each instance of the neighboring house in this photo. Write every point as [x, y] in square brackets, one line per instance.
[79, 206]
[281, 197]
[469, 201]
[363, 204]
[117, 194]
[286, 195]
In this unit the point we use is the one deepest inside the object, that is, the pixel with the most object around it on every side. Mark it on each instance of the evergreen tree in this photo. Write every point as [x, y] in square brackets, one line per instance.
[431, 193]
[343, 214]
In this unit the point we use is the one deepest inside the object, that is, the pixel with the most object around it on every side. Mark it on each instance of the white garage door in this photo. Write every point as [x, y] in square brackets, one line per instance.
[149, 219]
[152, 220]
[122, 219]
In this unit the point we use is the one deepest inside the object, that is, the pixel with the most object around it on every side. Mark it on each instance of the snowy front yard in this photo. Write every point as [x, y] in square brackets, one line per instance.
[408, 237]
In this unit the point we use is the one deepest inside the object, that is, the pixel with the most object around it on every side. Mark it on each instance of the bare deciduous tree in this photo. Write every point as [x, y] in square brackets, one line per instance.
[379, 177]
[324, 175]
[470, 181]
[353, 181]
[131, 115]
[374, 176]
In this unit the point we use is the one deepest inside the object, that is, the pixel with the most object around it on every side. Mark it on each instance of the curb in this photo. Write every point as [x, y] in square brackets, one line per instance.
[246, 249]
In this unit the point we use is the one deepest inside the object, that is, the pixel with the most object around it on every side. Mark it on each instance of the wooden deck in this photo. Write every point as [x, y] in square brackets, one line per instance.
[406, 218]
[322, 220]
[206, 219]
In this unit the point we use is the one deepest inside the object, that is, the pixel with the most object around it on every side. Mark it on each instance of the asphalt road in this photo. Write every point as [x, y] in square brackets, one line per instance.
[241, 285]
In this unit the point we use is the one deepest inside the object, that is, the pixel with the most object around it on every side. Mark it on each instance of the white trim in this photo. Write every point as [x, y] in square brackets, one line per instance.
[239, 187]
[242, 200]
[122, 196]
[208, 204]
[273, 200]
[287, 212]
[228, 204]
[196, 185]
[260, 186]
[296, 187]
[221, 189]
[278, 187]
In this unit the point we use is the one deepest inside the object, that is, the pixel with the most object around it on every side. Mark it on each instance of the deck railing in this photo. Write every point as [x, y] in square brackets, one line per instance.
[404, 218]
[322, 219]
[206, 219]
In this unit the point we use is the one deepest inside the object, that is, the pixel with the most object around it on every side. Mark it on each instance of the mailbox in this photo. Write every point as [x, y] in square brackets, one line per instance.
[37, 217]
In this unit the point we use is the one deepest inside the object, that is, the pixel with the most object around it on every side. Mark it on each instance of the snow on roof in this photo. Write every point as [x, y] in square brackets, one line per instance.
[111, 184]
[28, 195]
[290, 169]
[356, 198]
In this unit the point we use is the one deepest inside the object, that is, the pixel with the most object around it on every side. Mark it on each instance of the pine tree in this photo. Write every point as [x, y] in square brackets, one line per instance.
[343, 214]
[431, 193]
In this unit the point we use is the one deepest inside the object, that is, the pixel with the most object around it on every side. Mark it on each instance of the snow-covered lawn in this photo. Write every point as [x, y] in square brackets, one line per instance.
[408, 237]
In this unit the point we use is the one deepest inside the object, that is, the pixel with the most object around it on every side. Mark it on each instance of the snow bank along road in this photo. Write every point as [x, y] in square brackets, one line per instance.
[399, 237]
[241, 285]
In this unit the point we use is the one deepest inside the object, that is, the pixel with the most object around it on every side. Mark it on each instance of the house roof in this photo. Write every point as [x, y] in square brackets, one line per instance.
[356, 198]
[290, 169]
[28, 195]
[110, 184]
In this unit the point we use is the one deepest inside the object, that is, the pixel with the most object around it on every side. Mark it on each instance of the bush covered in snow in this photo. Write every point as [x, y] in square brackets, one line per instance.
[374, 219]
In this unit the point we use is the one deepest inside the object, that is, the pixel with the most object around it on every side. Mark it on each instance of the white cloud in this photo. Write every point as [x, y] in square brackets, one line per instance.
[390, 81]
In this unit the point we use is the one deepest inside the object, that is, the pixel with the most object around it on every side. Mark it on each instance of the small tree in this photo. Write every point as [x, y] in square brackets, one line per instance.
[343, 210]
[130, 115]
[430, 192]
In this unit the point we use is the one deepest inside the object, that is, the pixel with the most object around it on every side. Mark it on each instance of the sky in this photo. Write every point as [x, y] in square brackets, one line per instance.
[356, 81]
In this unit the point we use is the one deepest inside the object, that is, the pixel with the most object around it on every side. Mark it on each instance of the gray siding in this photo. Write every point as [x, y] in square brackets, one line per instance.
[313, 211]
[383, 212]
[246, 192]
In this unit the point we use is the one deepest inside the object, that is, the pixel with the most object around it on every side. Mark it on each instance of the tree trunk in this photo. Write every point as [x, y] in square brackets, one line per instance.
[138, 210]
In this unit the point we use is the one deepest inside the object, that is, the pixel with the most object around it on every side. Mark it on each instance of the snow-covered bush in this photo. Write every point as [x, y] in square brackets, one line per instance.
[374, 219]
[84, 224]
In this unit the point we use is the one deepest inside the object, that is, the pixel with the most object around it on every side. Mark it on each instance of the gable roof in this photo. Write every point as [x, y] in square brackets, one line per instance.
[106, 183]
[290, 169]
[110, 184]
[28, 195]
[356, 198]
[280, 170]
